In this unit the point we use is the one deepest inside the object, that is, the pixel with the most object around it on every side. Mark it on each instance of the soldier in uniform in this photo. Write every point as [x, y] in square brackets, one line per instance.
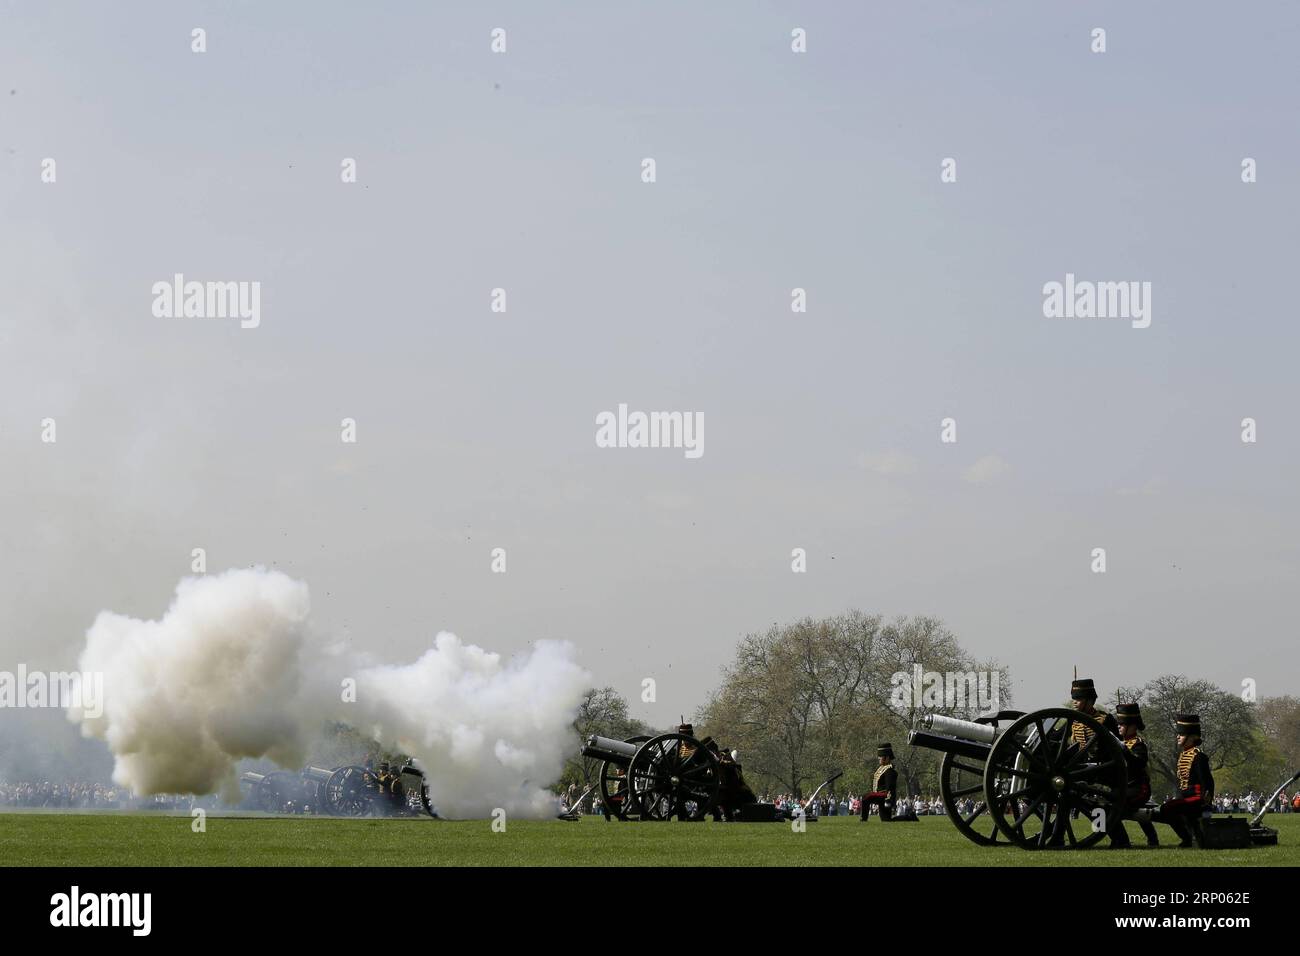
[884, 786]
[1129, 717]
[1195, 785]
[733, 792]
[685, 751]
[1083, 695]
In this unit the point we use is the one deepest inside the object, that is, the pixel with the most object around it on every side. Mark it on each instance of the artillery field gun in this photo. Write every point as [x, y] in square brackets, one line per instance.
[670, 776]
[1050, 778]
[349, 791]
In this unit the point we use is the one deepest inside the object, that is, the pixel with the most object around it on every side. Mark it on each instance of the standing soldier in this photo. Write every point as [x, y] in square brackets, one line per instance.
[884, 786]
[1129, 717]
[1195, 785]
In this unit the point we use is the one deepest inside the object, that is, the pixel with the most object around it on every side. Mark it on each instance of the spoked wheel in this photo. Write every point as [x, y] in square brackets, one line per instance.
[348, 792]
[275, 790]
[961, 785]
[1038, 777]
[613, 785]
[672, 776]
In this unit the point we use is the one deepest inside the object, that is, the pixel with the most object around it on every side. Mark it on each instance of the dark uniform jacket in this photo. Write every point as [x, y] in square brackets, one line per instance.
[885, 782]
[1080, 734]
[1137, 757]
[1195, 781]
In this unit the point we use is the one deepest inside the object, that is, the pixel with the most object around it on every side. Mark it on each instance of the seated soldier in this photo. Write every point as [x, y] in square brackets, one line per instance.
[1195, 785]
[1137, 755]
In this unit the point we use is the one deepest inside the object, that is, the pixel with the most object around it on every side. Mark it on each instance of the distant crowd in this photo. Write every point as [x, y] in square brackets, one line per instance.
[1247, 803]
[84, 796]
[59, 795]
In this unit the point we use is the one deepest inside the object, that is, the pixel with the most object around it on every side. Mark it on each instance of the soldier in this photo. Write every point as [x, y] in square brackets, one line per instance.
[1084, 698]
[733, 792]
[884, 786]
[1129, 718]
[686, 749]
[685, 753]
[397, 791]
[383, 781]
[1195, 785]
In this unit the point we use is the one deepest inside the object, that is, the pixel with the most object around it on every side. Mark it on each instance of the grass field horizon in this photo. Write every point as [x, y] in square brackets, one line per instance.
[59, 838]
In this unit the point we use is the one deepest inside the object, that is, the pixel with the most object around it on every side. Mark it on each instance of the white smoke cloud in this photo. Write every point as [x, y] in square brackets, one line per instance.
[489, 732]
[231, 672]
[216, 680]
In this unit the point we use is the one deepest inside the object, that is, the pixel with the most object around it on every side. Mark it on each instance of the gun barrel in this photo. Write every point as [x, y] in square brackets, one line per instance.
[961, 747]
[607, 748]
[954, 727]
[319, 774]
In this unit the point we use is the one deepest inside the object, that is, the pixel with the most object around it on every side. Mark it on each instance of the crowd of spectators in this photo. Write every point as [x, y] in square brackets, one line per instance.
[79, 795]
[1250, 802]
[1247, 803]
[43, 793]
[851, 806]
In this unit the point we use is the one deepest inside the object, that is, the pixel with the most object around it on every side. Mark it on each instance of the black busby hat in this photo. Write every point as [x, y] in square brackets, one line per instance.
[885, 750]
[1130, 714]
[1082, 689]
[686, 730]
[1188, 725]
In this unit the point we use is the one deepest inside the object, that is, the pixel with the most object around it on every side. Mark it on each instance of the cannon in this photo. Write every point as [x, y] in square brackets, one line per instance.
[656, 778]
[348, 791]
[1024, 779]
[278, 792]
[343, 791]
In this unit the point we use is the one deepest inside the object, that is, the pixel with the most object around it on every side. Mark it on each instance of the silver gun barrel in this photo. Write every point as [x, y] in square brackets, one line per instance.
[963, 729]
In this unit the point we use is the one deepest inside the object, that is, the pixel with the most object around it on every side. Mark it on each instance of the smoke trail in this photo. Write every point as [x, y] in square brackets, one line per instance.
[231, 672]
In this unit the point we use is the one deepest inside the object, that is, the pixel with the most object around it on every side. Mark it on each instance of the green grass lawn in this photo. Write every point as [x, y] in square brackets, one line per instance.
[96, 839]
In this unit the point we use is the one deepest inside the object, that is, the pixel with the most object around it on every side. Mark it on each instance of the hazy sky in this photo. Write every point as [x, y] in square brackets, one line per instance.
[775, 170]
